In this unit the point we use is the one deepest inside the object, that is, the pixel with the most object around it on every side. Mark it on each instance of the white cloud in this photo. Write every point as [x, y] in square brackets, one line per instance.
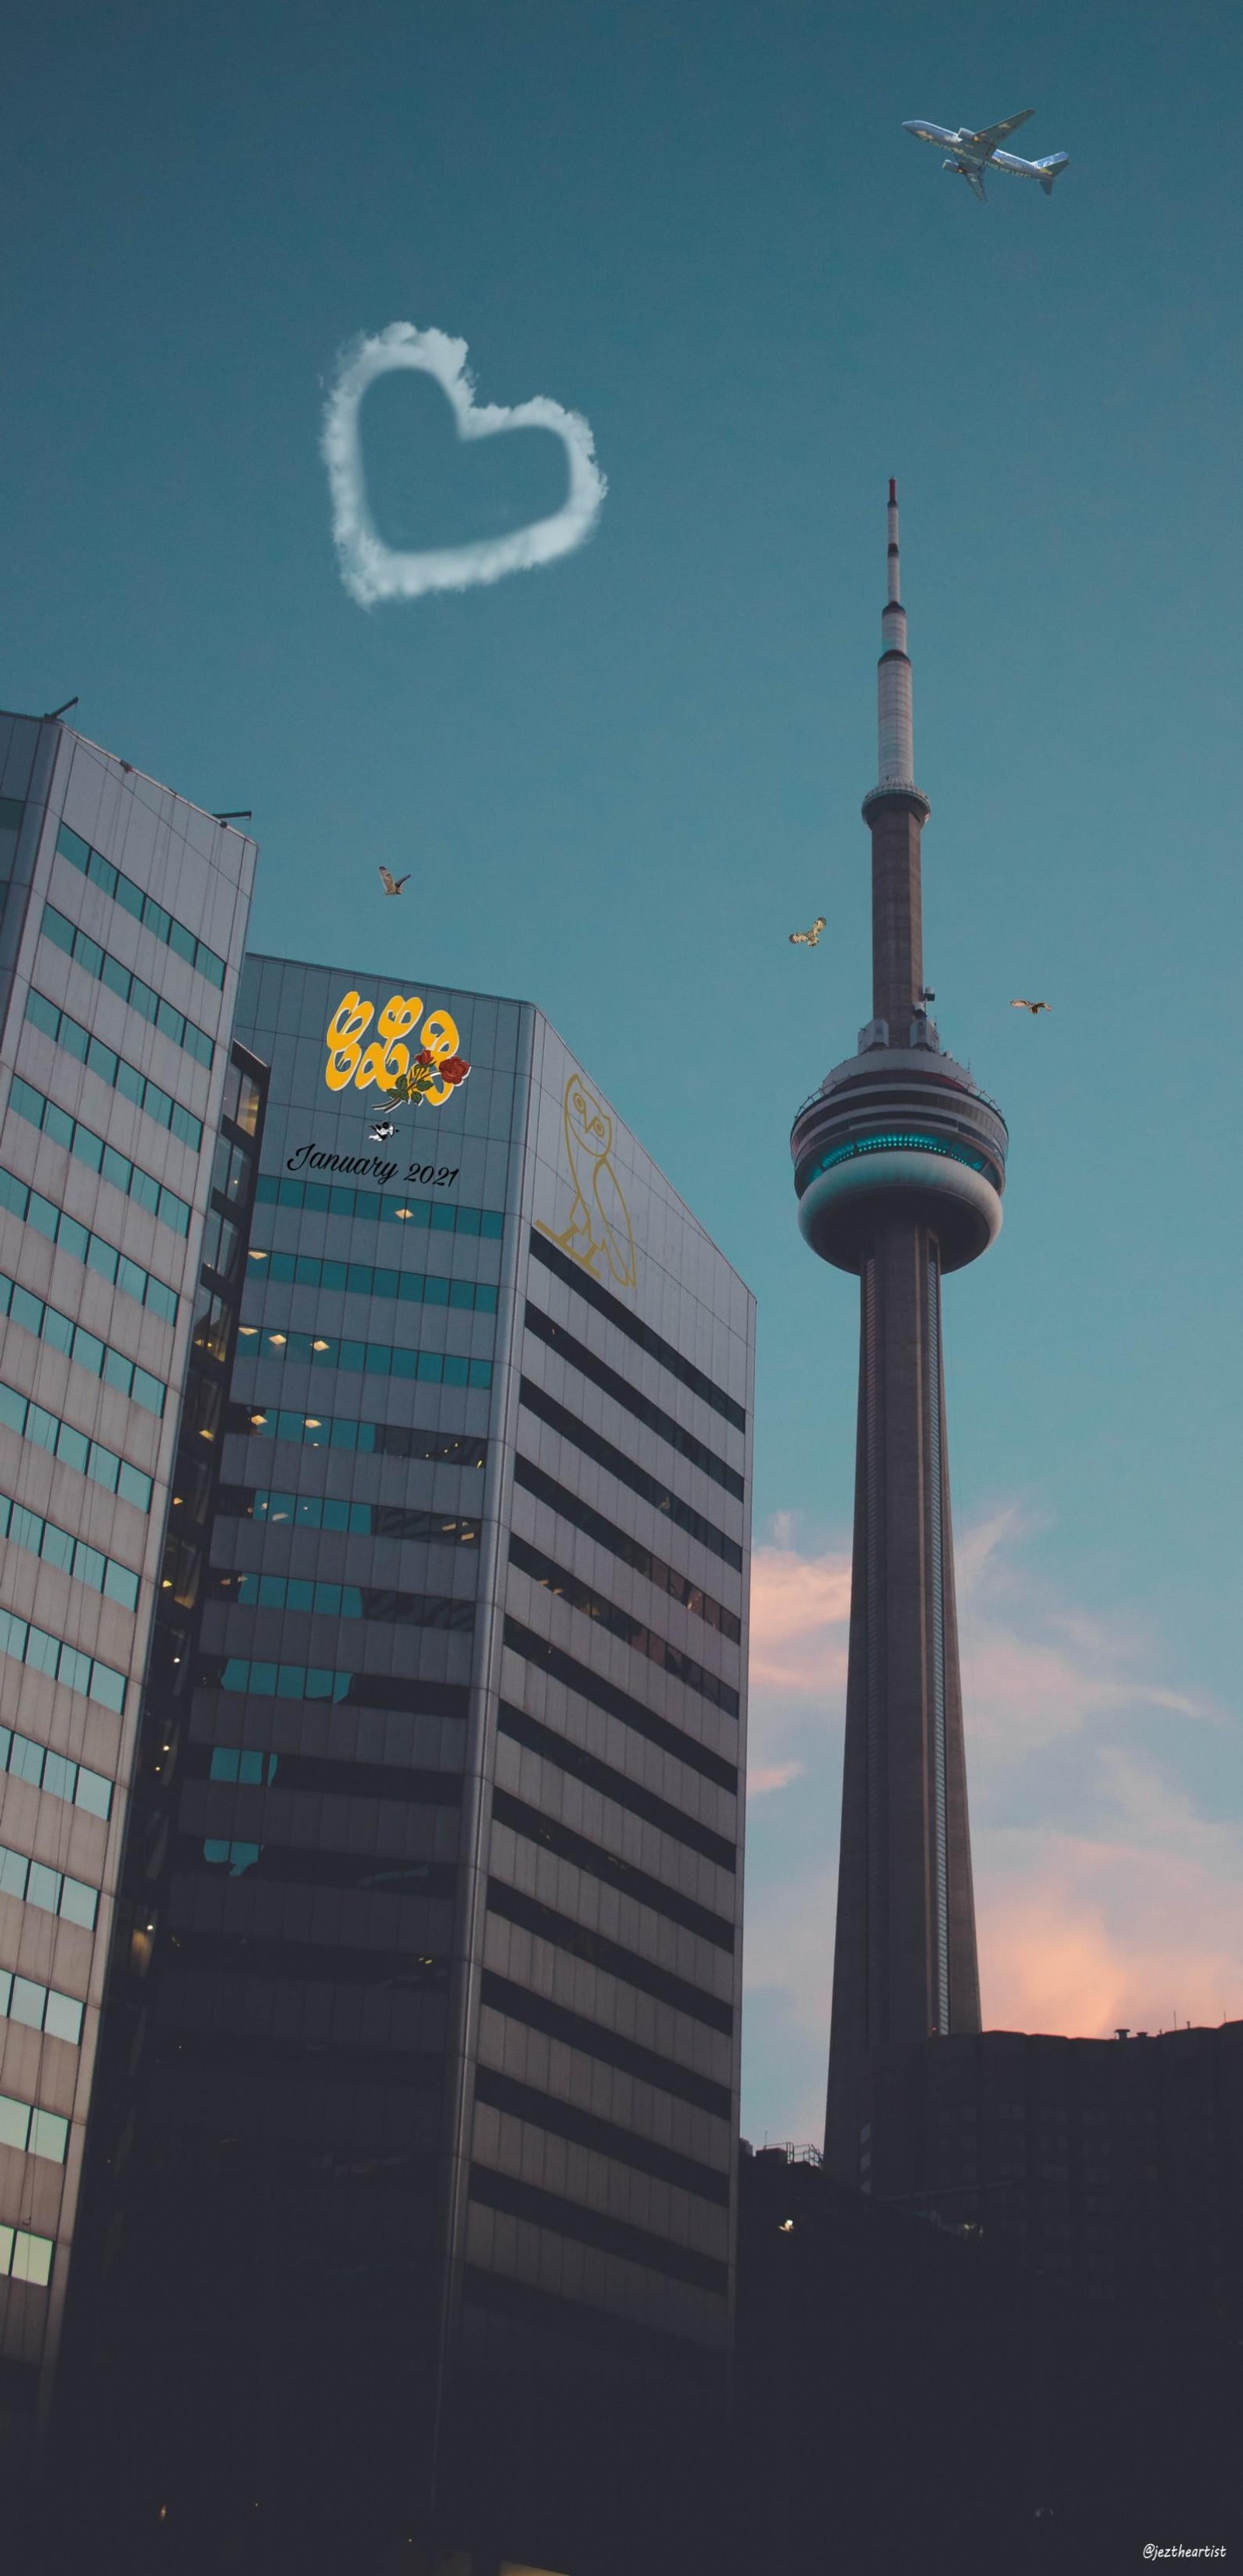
[371, 570]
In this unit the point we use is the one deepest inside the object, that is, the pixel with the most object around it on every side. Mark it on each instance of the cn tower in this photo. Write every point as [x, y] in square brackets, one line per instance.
[899, 1168]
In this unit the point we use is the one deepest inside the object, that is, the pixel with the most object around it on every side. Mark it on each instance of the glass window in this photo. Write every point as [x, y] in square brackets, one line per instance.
[78, 1902]
[134, 1487]
[49, 2136]
[43, 1887]
[74, 1447]
[59, 1776]
[94, 1793]
[120, 1584]
[32, 2259]
[26, 1760]
[14, 2123]
[28, 2002]
[63, 2018]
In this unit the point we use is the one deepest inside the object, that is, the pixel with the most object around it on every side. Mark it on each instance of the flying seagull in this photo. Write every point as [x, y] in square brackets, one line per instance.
[393, 885]
[381, 1134]
[1020, 1005]
[808, 938]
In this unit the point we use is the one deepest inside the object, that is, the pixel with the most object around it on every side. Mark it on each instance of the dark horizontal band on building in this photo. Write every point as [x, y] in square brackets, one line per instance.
[572, 1275]
[303, 1963]
[333, 1512]
[236, 2050]
[329, 1198]
[295, 1866]
[367, 1439]
[635, 1633]
[616, 1463]
[567, 2321]
[577, 1356]
[346, 1690]
[324, 1600]
[362, 1279]
[78, 1240]
[574, 1676]
[610, 1957]
[492, 2190]
[574, 2030]
[609, 1783]
[604, 2137]
[325, 1774]
[631, 1551]
[611, 1869]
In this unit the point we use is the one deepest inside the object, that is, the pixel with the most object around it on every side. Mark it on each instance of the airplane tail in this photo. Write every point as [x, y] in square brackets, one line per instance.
[1051, 168]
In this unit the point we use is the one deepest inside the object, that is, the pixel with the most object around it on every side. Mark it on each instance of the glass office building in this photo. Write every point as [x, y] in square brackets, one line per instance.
[123, 914]
[414, 2153]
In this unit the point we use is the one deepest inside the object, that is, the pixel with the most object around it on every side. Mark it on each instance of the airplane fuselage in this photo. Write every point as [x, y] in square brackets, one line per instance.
[970, 153]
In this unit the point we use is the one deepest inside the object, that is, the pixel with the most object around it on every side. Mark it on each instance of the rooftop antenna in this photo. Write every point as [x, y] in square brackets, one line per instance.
[54, 712]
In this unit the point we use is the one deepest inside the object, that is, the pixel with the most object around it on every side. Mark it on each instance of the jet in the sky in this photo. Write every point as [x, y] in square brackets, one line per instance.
[971, 154]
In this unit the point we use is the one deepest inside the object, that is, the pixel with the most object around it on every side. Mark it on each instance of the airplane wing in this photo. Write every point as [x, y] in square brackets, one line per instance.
[974, 182]
[992, 135]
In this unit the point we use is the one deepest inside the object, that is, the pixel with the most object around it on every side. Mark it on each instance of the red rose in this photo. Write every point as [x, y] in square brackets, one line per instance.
[425, 1056]
[454, 1068]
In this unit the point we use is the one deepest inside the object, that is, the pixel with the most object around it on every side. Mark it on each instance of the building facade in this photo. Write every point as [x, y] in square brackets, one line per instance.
[899, 1166]
[123, 919]
[422, 2092]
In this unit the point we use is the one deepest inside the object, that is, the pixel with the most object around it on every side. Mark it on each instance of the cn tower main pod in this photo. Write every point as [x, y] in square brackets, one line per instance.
[899, 1168]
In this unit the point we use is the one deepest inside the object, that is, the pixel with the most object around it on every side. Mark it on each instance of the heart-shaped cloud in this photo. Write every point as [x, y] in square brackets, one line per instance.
[370, 569]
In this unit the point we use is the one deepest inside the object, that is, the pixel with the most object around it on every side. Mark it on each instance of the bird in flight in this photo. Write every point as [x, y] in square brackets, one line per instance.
[381, 1134]
[1018, 1004]
[808, 938]
[391, 884]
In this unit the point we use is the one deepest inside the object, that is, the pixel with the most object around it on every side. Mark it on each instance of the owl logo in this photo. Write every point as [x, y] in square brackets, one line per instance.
[599, 1235]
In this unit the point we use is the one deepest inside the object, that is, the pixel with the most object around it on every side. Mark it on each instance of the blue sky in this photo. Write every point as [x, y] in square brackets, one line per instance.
[621, 779]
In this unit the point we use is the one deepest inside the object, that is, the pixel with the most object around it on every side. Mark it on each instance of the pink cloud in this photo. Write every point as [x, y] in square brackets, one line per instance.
[800, 1609]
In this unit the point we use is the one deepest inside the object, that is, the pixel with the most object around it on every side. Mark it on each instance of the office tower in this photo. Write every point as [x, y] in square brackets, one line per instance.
[124, 915]
[417, 2149]
[899, 1166]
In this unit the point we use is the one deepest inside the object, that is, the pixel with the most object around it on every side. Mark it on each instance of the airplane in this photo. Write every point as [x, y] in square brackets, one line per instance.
[971, 154]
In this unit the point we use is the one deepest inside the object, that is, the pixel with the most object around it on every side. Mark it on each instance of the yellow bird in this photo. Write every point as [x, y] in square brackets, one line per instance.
[1020, 1005]
[808, 938]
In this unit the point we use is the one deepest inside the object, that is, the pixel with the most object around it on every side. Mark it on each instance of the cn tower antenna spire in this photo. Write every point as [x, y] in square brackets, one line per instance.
[896, 747]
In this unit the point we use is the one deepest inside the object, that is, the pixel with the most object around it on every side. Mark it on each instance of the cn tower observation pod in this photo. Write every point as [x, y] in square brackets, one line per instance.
[899, 1129]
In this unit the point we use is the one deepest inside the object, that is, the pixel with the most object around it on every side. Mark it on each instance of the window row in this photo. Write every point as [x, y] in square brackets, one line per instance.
[328, 1198]
[374, 1691]
[47, 1219]
[634, 1713]
[294, 1865]
[55, 1774]
[611, 1869]
[595, 2227]
[324, 1773]
[33, 2132]
[32, 1883]
[588, 2129]
[577, 1356]
[609, 1956]
[61, 1663]
[332, 1512]
[621, 1623]
[24, 2257]
[538, 2012]
[40, 2007]
[88, 1565]
[88, 1148]
[571, 1507]
[374, 1359]
[115, 1070]
[343, 1600]
[572, 1275]
[368, 1439]
[86, 1350]
[617, 1785]
[615, 1462]
[143, 907]
[142, 998]
[360, 1278]
[47, 1431]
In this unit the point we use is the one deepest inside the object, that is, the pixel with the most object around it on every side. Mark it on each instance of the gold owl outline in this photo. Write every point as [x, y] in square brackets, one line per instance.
[599, 1222]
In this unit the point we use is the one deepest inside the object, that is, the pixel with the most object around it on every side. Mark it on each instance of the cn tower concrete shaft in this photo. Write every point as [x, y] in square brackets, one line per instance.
[899, 1169]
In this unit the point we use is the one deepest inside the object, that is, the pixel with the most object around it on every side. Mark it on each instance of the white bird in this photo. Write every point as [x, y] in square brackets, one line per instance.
[380, 1135]
[808, 938]
[1020, 1005]
[391, 884]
